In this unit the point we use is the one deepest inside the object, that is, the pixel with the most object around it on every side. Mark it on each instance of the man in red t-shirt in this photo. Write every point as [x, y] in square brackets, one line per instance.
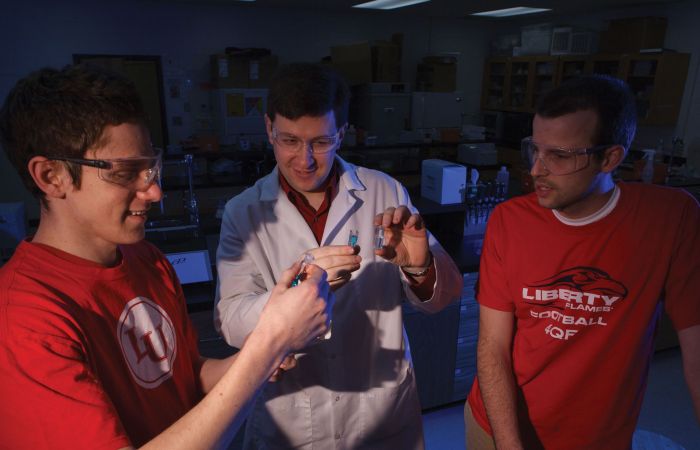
[96, 349]
[573, 280]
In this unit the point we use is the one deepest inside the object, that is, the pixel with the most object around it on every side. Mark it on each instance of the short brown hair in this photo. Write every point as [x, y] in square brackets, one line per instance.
[63, 113]
[610, 98]
[307, 89]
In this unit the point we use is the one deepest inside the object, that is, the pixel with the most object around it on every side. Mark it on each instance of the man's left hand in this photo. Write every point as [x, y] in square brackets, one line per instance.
[288, 363]
[405, 238]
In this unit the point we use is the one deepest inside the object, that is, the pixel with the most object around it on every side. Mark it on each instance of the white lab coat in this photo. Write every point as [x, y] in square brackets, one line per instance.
[356, 390]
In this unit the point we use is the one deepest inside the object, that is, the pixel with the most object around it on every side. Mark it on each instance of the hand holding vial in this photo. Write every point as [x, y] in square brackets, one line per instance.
[297, 316]
[404, 239]
[307, 259]
[339, 261]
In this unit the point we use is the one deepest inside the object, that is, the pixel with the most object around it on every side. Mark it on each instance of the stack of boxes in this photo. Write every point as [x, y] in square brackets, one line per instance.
[437, 74]
[369, 62]
[633, 34]
[240, 78]
[242, 68]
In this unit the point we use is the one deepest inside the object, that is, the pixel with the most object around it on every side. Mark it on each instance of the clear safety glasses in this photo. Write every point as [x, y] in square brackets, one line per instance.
[558, 160]
[291, 143]
[137, 173]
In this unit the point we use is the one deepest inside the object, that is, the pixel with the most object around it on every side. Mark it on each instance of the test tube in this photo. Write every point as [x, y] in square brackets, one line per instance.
[352, 240]
[378, 237]
[306, 260]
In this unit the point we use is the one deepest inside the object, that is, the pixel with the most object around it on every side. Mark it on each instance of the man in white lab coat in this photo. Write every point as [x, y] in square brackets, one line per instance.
[355, 389]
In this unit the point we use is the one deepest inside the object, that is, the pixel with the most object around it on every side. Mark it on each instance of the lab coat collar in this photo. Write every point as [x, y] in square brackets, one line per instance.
[348, 179]
[348, 176]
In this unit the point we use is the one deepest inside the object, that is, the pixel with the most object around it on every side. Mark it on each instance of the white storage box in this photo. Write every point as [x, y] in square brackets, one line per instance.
[480, 154]
[442, 181]
[535, 39]
[383, 115]
[436, 110]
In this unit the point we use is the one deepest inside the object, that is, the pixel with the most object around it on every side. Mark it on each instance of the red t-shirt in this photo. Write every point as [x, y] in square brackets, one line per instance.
[587, 301]
[92, 357]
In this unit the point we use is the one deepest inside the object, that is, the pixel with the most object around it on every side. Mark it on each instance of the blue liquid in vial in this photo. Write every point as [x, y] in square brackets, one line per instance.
[352, 240]
[308, 259]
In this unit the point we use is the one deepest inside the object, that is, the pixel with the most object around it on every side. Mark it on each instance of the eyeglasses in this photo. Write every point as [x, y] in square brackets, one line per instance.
[291, 143]
[558, 160]
[137, 173]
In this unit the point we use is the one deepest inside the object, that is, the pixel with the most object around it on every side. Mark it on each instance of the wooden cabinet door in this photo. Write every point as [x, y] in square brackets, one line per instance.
[612, 65]
[493, 91]
[571, 67]
[543, 79]
[657, 82]
[519, 84]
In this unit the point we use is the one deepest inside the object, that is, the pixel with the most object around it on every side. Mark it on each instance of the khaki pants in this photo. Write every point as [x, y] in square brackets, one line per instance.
[477, 438]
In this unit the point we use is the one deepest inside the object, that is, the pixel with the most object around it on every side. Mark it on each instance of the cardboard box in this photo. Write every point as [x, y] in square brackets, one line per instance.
[260, 70]
[233, 71]
[367, 62]
[354, 62]
[535, 39]
[633, 34]
[442, 181]
[228, 72]
[451, 135]
[437, 74]
[386, 62]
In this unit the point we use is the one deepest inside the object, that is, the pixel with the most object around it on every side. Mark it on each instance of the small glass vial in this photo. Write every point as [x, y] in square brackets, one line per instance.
[378, 237]
[352, 240]
[308, 259]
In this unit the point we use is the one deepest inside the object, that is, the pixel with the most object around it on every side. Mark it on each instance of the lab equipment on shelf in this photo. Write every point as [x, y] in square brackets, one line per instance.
[481, 198]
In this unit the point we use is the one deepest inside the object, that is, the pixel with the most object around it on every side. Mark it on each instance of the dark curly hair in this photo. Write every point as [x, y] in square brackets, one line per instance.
[64, 112]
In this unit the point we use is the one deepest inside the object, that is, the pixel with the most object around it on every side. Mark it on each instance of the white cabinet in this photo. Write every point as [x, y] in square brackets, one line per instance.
[436, 110]
[383, 115]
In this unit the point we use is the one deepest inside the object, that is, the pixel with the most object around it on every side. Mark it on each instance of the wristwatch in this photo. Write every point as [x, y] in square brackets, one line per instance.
[424, 271]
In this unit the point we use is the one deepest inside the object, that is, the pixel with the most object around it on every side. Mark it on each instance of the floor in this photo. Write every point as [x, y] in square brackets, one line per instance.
[667, 420]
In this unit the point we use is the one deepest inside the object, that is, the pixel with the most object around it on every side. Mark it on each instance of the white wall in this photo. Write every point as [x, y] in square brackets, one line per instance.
[48, 33]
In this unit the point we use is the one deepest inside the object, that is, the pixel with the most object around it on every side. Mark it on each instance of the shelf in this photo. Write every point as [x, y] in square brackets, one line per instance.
[662, 74]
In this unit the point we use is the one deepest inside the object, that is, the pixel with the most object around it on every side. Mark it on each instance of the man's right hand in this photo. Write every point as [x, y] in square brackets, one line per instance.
[339, 261]
[298, 315]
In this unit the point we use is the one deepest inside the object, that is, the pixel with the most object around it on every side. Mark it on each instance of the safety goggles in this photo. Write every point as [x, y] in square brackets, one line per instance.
[291, 143]
[558, 160]
[137, 173]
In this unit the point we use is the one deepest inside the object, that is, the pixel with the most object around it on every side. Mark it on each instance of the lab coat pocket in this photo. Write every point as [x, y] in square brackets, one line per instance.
[390, 416]
[280, 420]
